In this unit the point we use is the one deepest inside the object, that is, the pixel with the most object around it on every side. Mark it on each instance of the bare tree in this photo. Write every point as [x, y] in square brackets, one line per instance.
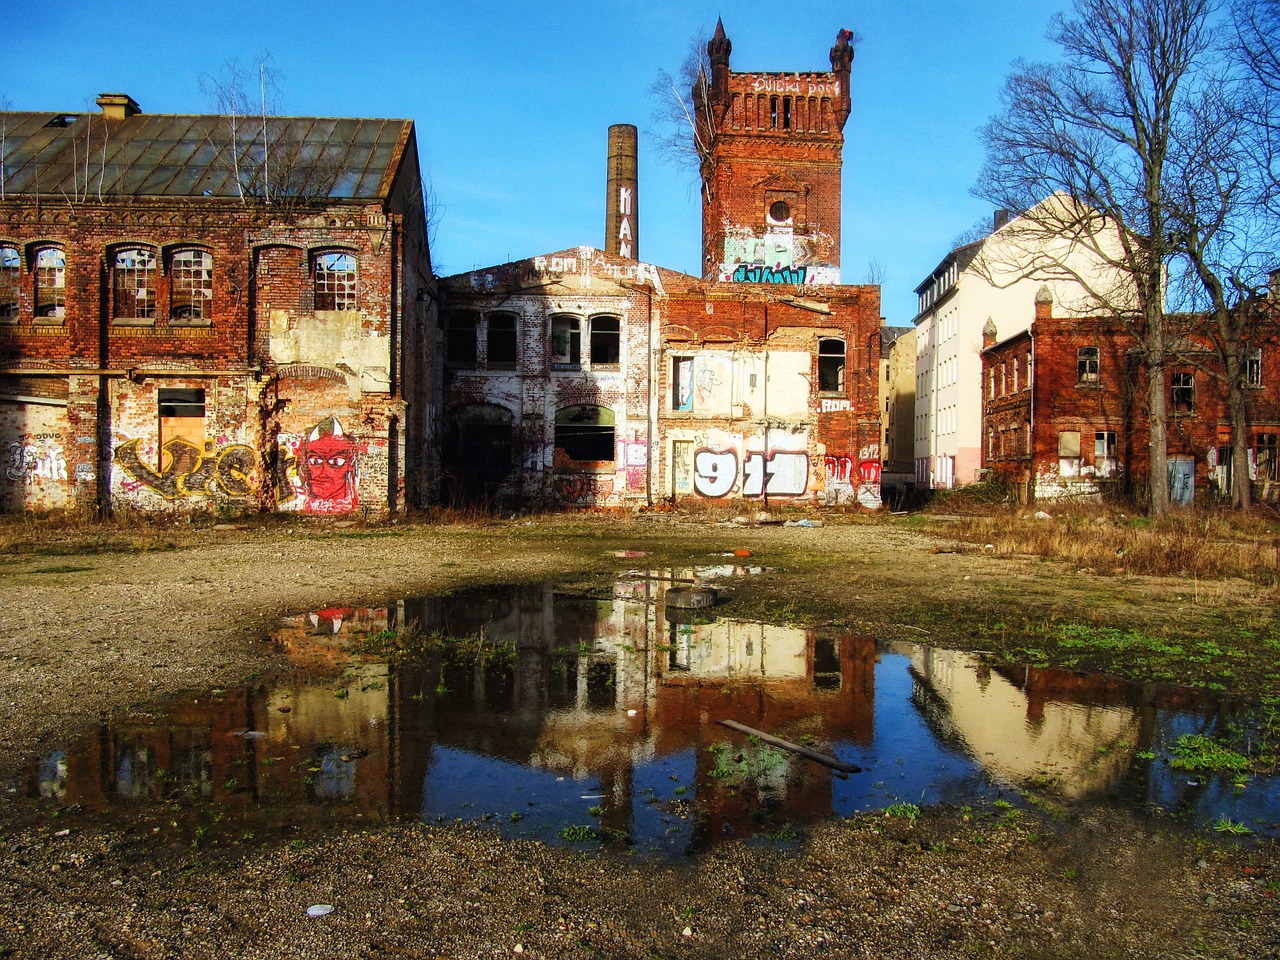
[1101, 127]
[679, 129]
[1225, 227]
[269, 162]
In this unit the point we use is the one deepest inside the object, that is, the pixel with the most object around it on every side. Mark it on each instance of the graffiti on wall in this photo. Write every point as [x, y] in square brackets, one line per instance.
[189, 471]
[853, 478]
[584, 490]
[587, 265]
[716, 473]
[778, 256]
[805, 88]
[325, 464]
[315, 473]
[36, 458]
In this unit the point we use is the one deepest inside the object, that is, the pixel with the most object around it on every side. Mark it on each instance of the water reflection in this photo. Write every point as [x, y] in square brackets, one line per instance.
[569, 717]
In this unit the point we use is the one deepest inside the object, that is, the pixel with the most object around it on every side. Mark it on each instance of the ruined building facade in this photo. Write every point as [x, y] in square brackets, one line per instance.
[1064, 407]
[193, 316]
[588, 377]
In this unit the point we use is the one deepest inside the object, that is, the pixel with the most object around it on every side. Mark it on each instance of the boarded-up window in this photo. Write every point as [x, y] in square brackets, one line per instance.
[1069, 453]
[181, 428]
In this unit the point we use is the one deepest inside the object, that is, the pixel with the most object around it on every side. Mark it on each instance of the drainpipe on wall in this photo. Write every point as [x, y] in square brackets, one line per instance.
[651, 409]
[764, 474]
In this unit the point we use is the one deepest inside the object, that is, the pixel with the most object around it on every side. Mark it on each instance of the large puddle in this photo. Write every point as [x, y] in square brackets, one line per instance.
[587, 721]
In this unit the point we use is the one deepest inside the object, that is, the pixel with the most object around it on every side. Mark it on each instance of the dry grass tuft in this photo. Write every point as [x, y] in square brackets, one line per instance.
[1203, 544]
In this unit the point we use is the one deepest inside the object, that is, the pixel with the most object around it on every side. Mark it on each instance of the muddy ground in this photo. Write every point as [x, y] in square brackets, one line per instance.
[98, 620]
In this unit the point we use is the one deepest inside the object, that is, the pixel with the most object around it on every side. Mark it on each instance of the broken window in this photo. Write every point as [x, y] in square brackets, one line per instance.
[585, 433]
[682, 383]
[51, 283]
[1069, 453]
[606, 342]
[191, 286]
[134, 284]
[335, 281]
[566, 343]
[1253, 367]
[460, 339]
[1087, 365]
[502, 340]
[1182, 393]
[1104, 452]
[831, 362]
[9, 281]
[1265, 455]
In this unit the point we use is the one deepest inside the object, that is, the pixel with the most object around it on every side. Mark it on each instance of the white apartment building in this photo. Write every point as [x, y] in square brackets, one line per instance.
[994, 279]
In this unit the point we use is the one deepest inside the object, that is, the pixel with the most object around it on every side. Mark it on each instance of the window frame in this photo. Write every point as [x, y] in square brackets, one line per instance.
[333, 289]
[42, 300]
[1253, 368]
[568, 328]
[1088, 365]
[827, 359]
[600, 337]
[1182, 393]
[10, 283]
[189, 287]
[135, 270]
[510, 338]
[460, 335]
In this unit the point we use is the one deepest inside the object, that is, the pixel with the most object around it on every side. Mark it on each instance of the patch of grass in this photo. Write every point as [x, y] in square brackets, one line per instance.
[907, 811]
[578, 833]
[1195, 751]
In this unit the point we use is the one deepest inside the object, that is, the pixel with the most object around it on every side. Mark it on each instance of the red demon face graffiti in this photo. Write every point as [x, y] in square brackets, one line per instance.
[329, 466]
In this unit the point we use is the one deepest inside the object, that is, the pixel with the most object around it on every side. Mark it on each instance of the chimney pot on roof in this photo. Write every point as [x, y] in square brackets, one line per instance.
[1002, 217]
[118, 106]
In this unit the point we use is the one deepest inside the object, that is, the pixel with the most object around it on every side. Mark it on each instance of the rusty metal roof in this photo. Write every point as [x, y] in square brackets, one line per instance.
[89, 156]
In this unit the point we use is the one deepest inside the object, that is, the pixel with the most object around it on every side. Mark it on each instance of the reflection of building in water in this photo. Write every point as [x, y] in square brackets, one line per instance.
[570, 686]
[1080, 732]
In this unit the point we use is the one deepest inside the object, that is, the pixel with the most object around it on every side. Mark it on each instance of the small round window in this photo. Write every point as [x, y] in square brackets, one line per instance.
[779, 212]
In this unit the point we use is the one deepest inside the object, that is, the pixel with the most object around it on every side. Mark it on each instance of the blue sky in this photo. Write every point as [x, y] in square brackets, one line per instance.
[513, 102]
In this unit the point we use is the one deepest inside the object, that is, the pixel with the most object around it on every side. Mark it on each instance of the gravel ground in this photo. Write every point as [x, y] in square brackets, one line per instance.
[92, 632]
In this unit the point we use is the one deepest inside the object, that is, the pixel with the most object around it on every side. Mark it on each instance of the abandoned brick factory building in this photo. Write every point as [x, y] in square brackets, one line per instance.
[197, 313]
[200, 314]
[590, 377]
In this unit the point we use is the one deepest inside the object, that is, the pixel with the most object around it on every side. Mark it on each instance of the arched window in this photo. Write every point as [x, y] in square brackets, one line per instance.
[831, 364]
[10, 263]
[335, 281]
[134, 284]
[191, 286]
[566, 342]
[585, 433]
[51, 283]
[606, 342]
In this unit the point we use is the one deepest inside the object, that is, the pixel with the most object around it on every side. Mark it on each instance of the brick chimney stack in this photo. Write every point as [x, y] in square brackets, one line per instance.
[622, 204]
[1044, 303]
[988, 334]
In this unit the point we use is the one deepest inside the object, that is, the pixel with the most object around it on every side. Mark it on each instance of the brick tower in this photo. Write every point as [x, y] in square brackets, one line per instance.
[771, 154]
